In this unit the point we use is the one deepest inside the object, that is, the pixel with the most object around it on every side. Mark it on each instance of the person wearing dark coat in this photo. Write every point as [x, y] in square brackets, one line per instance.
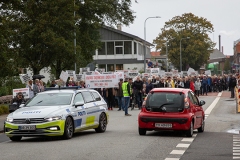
[232, 84]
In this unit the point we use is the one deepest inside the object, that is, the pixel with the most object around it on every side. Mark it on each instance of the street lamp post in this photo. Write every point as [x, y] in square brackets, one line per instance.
[181, 52]
[167, 51]
[144, 44]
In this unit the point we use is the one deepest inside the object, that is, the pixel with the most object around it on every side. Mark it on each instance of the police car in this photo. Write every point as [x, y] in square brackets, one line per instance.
[58, 113]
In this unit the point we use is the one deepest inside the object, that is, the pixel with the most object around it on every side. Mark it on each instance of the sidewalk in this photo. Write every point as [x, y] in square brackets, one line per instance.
[2, 119]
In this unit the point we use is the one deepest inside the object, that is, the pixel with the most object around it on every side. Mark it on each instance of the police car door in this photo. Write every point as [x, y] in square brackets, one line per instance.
[80, 112]
[100, 105]
[90, 107]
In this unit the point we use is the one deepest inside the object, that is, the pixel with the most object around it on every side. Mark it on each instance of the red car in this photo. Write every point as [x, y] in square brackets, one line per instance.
[171, 109]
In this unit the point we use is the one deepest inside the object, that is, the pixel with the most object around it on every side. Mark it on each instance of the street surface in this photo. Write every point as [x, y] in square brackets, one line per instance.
[220, 141]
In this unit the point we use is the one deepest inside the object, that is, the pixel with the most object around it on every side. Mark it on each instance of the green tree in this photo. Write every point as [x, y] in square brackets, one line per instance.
[227, 66]
[43, 31]
[195, 50]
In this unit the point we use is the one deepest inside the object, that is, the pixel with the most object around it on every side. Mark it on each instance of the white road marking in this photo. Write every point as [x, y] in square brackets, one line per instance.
[187, 139]
[210, 108]
[236, 147]
[236, 154]
[236, 157]
[195, 134]
[236, 140]
[171, 158]
[236, 150]
[177, 151]
[183, 145]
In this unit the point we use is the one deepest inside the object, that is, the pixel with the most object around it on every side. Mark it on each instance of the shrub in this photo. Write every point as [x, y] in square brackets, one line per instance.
[3, 109]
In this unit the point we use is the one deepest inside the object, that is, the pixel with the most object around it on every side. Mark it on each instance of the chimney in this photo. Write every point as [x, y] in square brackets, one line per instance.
[119, 27]
[220, 43]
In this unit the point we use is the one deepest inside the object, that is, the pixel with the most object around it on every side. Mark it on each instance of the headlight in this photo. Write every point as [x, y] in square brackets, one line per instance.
[50, 119]
[9, 119]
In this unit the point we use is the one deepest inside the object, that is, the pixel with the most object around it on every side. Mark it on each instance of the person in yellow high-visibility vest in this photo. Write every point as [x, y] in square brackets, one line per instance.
[126, 96]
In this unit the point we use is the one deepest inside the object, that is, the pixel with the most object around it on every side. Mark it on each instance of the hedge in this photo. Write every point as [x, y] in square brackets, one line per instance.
[3, 109]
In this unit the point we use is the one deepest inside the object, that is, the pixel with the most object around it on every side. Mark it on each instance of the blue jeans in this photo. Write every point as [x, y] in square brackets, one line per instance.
[119, 99]
[126, 101]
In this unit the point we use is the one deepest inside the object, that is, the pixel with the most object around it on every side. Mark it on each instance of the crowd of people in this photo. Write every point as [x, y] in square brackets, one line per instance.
[131, 92]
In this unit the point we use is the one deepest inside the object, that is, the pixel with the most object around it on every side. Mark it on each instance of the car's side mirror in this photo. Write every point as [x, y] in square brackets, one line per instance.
[201, 103]
[78, 104]
[22, 105]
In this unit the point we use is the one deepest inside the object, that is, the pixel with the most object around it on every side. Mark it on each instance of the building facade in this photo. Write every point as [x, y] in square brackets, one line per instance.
[120, 50]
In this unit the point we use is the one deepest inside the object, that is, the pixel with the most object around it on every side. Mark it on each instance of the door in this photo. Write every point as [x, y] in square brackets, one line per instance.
[91, 109]
[100, 105]
[195, 109]
[80, 112]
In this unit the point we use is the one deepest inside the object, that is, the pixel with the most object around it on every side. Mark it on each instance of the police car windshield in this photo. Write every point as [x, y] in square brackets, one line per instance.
[50, 99]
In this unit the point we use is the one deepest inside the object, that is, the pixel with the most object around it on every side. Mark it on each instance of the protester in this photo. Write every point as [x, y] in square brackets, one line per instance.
[137, 89]
[232, 85]
[149, 86]
[30, 86]
[19, 99]
[36, 87]
[53, 84]
[119, 95]
[197, 86]
[126, 96]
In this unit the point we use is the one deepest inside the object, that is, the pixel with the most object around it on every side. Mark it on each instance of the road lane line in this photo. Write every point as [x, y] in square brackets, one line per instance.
[177, 152]
[236, 150]
[210, 108]
[183, 145]
[171, 158]
[187, 139]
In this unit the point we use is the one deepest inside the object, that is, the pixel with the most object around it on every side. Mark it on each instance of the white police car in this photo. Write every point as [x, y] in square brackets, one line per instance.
[58, 113]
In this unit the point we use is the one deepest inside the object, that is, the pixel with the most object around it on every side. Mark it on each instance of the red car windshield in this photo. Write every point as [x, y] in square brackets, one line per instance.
[165, 102]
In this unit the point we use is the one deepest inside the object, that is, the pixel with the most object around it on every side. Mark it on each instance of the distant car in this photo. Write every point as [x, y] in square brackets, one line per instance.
[171, 109]
[58, 113]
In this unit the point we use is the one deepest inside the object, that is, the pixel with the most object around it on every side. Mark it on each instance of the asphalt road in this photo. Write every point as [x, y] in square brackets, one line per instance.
[121, 140]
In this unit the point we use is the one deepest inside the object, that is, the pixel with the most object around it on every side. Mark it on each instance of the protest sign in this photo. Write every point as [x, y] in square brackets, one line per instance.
[83, 70]
[155, 71]
[146, 75]
[70, 73]
[25, 92]
[24, 78]
[78, 77]
[168, 74]
[208, 73]
[175, 73]
[64, 76]
[132, 73]
[101, 81]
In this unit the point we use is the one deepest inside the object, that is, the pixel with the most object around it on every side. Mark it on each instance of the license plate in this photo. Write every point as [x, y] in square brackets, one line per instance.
[27, 128]
[163, 125]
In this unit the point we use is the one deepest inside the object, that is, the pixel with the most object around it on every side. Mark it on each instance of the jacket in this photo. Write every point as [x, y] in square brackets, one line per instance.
[197, 85]
[126, 89]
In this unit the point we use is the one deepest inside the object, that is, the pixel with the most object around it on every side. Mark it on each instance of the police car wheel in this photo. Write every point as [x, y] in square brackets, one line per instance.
[68, 130]
[102, 123]
[16, 138]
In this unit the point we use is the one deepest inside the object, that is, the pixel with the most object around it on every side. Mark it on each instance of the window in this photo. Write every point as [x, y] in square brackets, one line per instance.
[88, 97]
[119, 66]
[110, 48]
[135, 48]
[78, 98]
[96, 96]
[119, 50]
[110, 67]
[103, 66]
[127, 47]
[119, 43]
[195, 99]
[102, 49]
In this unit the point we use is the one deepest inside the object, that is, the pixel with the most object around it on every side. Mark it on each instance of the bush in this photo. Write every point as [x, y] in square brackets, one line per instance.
[3, 109]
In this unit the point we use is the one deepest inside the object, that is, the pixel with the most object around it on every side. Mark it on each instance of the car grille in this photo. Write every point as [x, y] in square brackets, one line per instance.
[28, 121]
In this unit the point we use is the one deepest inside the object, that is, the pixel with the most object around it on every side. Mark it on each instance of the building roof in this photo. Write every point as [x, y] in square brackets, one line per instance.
[128, 35]
[155, 54]
[216, 54]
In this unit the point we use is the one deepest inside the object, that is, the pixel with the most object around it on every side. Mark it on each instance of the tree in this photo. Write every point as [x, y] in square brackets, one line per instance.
[195, 50]
[43, 31]
[227, 66]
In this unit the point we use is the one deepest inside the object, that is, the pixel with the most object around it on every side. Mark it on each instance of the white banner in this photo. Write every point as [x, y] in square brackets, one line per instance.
[78, 77]
[120, 75]
[208, 73]
[175, 73]
[155, 71]
[168, 74]
[71, 73]
[146, 75]
[64, 76]
[102, 81]
[83, 70]
[107, 72]
[100, 70]
[25, 92]
[148, 70]
[132, 73]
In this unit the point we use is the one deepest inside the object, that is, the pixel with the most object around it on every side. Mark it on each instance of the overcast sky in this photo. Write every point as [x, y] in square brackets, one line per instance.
[223, 14]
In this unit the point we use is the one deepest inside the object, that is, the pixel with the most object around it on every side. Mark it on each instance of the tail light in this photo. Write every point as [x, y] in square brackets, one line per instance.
[186, 103]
